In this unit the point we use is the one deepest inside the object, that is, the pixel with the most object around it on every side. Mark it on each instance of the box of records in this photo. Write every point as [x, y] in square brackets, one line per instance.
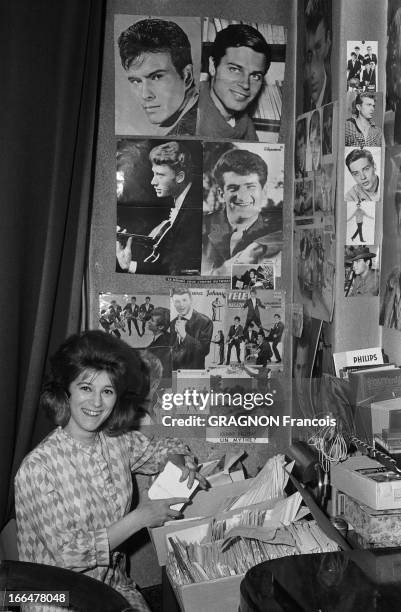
[206, 563]
[204, 504]
[221, 499]
[367, 481]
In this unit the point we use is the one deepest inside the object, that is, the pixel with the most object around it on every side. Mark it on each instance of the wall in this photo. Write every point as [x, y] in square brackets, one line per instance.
[102, 250]
[355, 323]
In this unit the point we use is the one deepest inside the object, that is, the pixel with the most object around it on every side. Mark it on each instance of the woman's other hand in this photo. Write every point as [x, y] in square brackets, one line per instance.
[155, 512]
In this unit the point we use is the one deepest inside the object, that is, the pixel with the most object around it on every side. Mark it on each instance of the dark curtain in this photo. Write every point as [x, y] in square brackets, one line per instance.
[50, 74]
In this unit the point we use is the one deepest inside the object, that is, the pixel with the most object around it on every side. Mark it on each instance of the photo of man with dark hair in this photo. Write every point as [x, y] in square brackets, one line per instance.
[175, 238]
[317, 75]
[159, 325]
[157, 59]
[253, 304]
[145, 312]
[239, 59]
[362, 167]
[361, 130]
[263, 351]
[365, 278]
[240, 233]
[235, 337]
[275, 336]
[369, 76]
[354, 67]
[131, 313]
[191, 332]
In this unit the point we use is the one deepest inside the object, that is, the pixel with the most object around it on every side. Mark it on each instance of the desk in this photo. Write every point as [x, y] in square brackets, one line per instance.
[353, 581]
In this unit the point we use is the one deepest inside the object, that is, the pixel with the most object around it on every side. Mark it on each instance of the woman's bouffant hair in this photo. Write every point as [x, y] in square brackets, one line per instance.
[98, 351]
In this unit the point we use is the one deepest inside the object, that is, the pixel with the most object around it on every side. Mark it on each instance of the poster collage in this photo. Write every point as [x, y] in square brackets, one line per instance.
[362, 170]
[317, 154]
[315, 187]
[199, 202]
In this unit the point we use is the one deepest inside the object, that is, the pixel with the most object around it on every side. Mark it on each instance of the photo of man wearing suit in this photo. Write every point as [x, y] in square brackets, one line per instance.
[159, 324]
[191, 333]
[250, 339]
[176, 238]
[370, 56]
[253, 304]
[264, 352]
[354, 68]
[239, 59]
[235, 337]
[240, 232]
[275, 335]
[131, 313]
[369, 77]
[145, 312]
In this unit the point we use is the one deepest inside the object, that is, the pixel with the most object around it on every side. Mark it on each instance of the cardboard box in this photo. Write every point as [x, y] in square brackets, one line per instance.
[220, 595]
[378, 527]
[204, 504]
[355, 476]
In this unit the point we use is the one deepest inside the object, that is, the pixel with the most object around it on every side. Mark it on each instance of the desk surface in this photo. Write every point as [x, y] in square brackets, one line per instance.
[354, 581]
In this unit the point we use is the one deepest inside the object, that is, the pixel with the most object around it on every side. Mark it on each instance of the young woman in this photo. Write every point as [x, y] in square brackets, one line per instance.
[73, 491]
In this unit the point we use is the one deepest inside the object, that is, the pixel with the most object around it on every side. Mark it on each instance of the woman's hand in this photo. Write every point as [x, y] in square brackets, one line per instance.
[155, 512]
[149, 513]
[189, 470]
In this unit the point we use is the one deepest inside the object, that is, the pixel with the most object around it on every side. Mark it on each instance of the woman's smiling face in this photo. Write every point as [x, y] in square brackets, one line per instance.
[92, 399]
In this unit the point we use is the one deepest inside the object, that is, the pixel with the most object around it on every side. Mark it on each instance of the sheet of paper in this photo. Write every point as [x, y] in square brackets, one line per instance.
[168, 484]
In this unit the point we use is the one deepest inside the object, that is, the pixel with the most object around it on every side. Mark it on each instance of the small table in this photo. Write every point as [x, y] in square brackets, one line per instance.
[352, 581]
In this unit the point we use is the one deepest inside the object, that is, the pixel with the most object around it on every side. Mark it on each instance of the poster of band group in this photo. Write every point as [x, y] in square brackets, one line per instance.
[199, 202]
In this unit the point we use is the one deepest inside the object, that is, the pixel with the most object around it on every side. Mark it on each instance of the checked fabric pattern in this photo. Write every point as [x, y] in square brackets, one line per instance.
[67, 493]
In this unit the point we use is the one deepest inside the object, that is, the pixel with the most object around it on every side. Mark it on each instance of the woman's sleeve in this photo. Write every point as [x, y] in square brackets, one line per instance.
[45, 528]
[147, 456]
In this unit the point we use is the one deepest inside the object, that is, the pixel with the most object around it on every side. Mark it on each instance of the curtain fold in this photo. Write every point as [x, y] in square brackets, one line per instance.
[51, 66]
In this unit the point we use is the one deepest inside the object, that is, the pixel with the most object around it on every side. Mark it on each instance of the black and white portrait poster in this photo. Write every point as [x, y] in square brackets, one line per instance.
[197, 320]
[362, 271]
[362, 174]
[317, 53]
[243, 221]
[241, 85]
[159, 206]
[157, 67]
